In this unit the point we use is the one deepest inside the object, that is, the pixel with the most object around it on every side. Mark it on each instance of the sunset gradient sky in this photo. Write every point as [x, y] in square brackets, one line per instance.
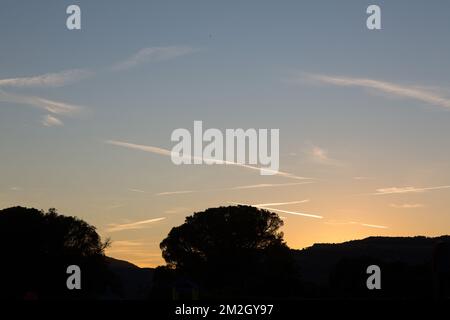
[364, 116]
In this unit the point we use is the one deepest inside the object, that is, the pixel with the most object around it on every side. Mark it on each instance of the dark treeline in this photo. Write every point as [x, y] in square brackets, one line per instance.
[225, 252]
[36, 248]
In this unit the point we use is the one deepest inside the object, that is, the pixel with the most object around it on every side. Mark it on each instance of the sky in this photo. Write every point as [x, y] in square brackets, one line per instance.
[363, 114]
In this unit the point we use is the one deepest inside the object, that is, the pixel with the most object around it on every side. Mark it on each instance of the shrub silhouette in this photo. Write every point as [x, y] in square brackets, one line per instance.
[232, 251]
[37, 248]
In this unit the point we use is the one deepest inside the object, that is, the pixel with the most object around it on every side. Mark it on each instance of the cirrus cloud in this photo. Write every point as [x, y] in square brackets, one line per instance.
[51, 121]
[409, 189]
[153, 54]
[134, 225]
[433, 97]
[57, 79]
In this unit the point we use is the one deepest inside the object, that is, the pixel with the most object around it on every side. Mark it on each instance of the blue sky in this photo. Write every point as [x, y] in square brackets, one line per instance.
[358, 111]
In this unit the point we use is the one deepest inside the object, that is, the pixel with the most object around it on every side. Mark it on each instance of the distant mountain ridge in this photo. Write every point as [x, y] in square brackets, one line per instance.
[134, 283]
[318, 261]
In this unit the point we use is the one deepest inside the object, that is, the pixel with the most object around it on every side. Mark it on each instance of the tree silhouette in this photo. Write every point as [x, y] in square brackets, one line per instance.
[236, 250]
[36, 249]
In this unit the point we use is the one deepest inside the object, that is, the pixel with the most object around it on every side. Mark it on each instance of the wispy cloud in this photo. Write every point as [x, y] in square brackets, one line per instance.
[127, 243]
[168, 193]
[411, 92]
[280, 203]
[134, 225]
[140, 147]
[400, 190]
[267, 206]
[303, 214]
[320, 155]
[113, 207]
[136, 190]
[252, 186]
[356, 223]
[153, 54]
[308, 215]
[406, 205]
[48, 80]
[55, 107]
[166, 152]
[373, 226]
[51, 121]
[266, 185]
[176, 210]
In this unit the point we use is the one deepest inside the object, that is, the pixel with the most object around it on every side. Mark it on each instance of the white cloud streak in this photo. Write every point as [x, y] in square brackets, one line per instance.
[176, 210]
[267, 206]
[411, 92]
[303, 214]
[266, 185]
[406, 205]
[132, 226]
[373, 226]
[55, 107]
[280, 203]
[140, 147]
[166, 152]
[401, 190]
[168, 193]
[252, 186]
[153, 54]
[48, 80]
[357, 223]
[136, 190]
[51, 121]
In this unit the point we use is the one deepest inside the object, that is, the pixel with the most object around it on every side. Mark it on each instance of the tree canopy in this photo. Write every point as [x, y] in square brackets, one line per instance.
[36, 248]
[239, 247]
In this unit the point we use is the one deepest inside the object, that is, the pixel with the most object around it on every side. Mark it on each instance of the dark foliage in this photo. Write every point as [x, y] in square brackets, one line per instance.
[232, 251]
[36, 249]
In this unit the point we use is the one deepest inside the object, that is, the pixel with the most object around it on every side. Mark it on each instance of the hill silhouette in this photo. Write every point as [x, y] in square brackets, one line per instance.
[225, 252]
[411, 267]
[130, 281]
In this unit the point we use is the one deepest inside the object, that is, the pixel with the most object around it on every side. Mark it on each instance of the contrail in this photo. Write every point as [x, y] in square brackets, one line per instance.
[134, 225]
[280, 203]
[168, 153]
[399, 190]
[253, 186]
[308, 215]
